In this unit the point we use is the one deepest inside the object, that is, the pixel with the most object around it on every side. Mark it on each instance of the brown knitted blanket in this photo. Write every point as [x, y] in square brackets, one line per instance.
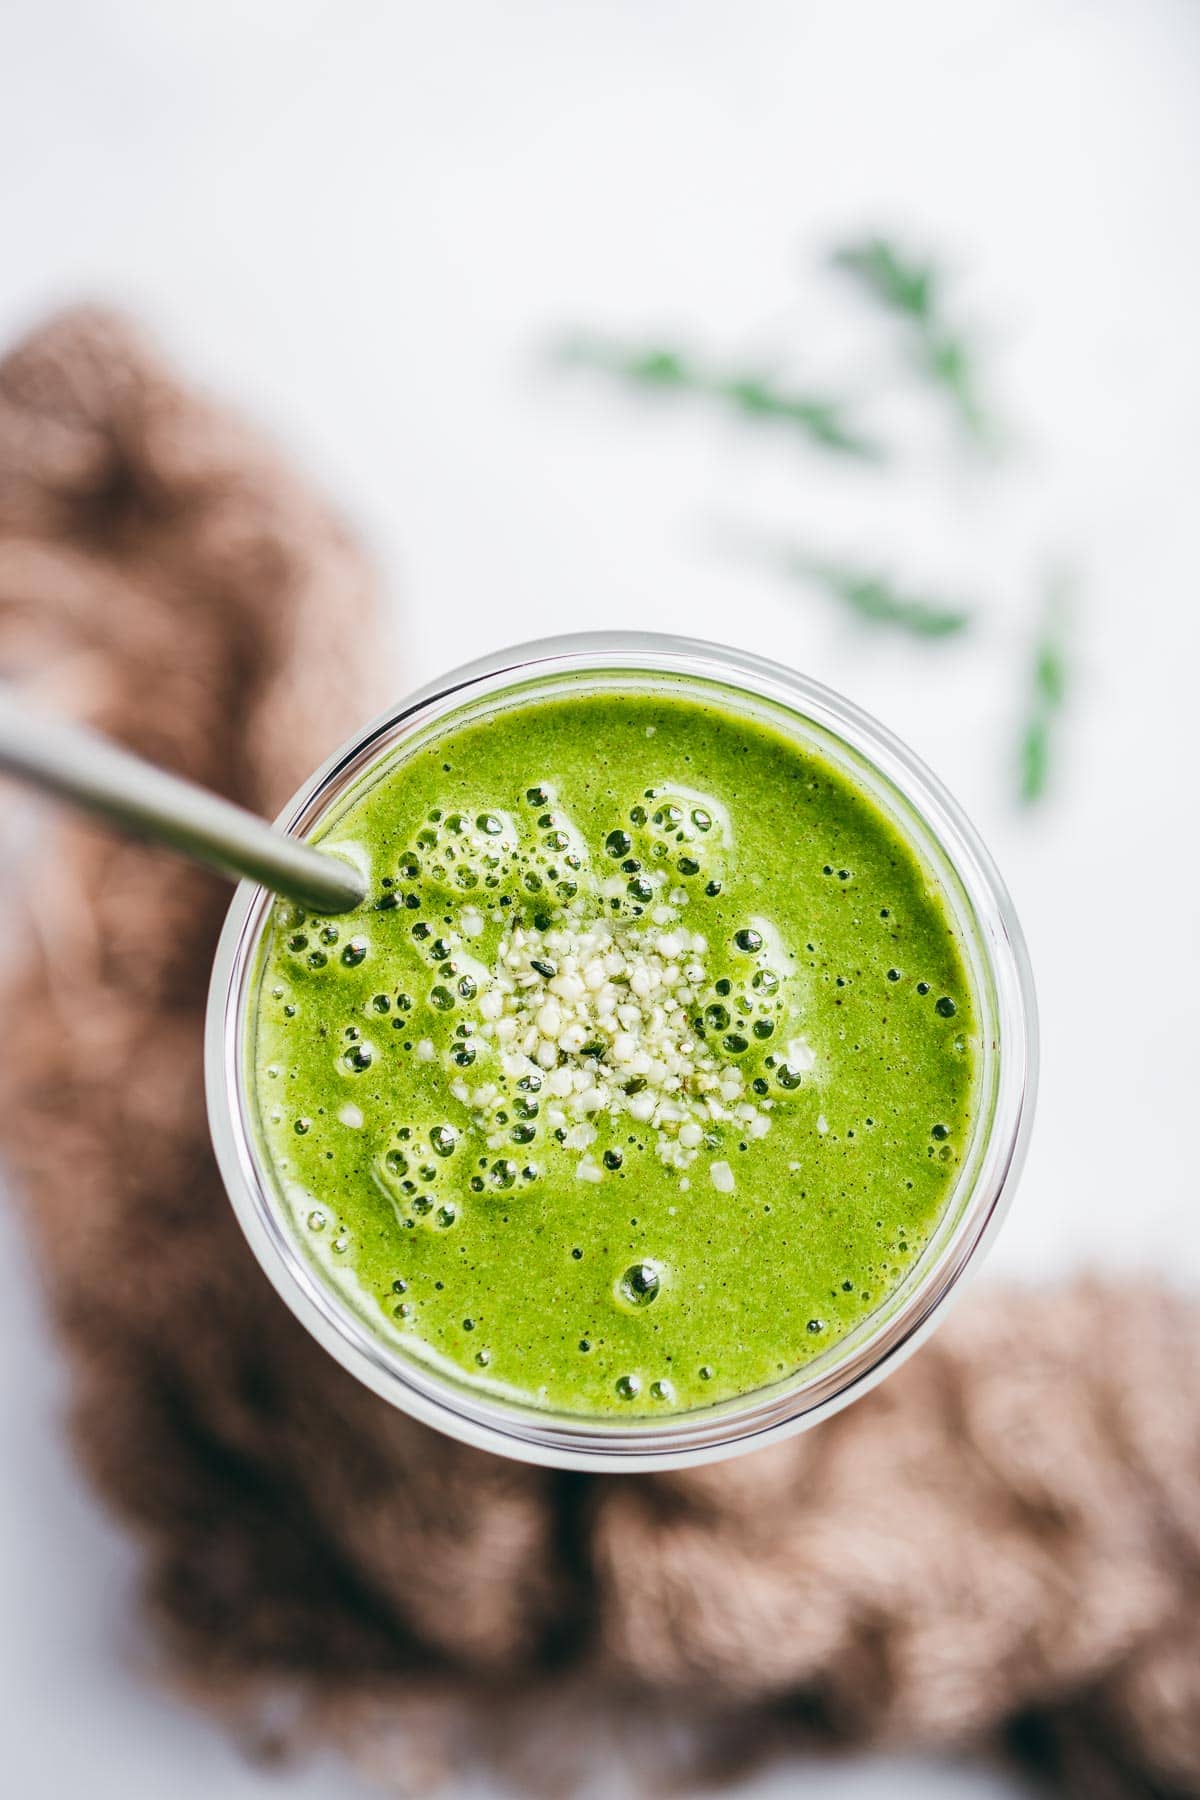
[1000, 1548]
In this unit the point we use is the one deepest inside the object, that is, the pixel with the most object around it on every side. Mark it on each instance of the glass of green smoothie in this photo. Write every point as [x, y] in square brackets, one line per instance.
[676, 1066]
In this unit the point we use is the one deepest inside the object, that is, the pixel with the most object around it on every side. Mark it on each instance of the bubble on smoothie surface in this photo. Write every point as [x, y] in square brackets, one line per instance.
[640, 1284]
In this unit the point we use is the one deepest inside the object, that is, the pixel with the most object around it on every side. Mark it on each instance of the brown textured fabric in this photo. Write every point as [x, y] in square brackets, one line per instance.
[1001, 1546]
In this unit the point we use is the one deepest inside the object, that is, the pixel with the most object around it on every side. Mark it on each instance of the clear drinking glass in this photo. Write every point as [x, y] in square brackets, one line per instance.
[992, 945]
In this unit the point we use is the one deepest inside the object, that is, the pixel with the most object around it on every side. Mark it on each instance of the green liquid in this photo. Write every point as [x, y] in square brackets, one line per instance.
[731, 1170]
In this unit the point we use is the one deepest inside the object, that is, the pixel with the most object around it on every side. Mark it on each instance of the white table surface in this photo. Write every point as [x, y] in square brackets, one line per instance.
[364, 221]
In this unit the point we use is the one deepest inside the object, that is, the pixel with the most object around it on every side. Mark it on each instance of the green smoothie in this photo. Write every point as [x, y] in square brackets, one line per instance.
[644, 1072]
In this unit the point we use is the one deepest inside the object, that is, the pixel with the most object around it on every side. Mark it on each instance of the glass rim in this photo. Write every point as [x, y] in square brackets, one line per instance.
[993, 943]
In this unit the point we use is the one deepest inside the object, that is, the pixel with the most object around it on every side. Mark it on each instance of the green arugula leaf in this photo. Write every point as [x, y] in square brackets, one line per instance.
[873, 598]
[1049, 687]
[904, 287]
[1033, 763]
[911, 289]
[817, 417]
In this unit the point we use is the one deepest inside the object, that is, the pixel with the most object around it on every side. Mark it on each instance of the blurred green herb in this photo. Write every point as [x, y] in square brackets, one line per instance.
[823, 421]
[912, 291]
[875, 600]
[1048, 688]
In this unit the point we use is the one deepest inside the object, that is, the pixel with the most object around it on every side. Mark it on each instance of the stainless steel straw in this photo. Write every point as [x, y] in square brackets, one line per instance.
[86, 769]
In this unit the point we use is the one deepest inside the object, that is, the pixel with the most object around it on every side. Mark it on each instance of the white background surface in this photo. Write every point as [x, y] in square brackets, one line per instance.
[366, 220]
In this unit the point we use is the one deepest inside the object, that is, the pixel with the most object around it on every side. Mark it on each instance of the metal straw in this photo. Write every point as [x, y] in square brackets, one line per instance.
[80, 766]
